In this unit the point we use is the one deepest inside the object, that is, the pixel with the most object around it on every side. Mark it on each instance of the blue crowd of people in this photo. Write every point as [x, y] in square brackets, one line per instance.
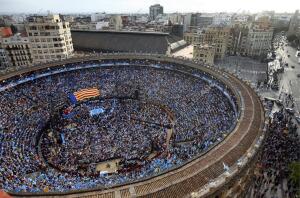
[130, 129]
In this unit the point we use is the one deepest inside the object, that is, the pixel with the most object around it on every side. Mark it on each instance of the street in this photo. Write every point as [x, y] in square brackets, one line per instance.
[290, 83]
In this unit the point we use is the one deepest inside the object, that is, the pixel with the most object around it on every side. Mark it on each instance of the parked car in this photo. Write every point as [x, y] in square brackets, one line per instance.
[298, 75]
[290, 110]
[278, 102]
[297, 118]
[293, 66]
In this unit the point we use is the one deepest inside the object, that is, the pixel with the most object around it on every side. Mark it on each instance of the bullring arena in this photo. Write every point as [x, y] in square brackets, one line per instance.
[124, 125]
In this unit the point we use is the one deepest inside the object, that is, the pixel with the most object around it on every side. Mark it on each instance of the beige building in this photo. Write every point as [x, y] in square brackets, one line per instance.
[204, 53]
[218, 37]
[115, 22]
[50, 37]
[192, 38]
[18, 50]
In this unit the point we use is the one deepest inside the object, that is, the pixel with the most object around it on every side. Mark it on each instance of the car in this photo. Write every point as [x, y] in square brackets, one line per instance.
[290, 110]
[278, 102]
[297, 118]
[298, 75]
[270, 99]
[286, 64]
[293, 66]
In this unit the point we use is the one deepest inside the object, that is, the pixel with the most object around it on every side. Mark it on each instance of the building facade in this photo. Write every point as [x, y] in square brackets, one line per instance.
[204, 53]
[193, 38]
[5, 32]
[4, 59]
[115, 22]
[259, 41]
[238, 39]
[294, 26]
[154, 11]
[50, 37]
[18, 49]
[217, 36]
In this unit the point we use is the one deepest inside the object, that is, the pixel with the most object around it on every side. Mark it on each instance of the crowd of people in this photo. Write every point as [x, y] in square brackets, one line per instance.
[281, 149]
[129, 129]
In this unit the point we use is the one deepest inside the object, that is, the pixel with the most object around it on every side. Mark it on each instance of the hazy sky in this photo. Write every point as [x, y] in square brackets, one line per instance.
[142, 6]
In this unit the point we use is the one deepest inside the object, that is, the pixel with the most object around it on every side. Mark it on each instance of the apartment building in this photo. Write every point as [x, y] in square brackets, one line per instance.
[50, 37]
[217, 36]
[18, 51]
[258, 41]
[192, 38]
[154, 11]
[238, 39]
[294, 26]
[4, 59]
[204, 53]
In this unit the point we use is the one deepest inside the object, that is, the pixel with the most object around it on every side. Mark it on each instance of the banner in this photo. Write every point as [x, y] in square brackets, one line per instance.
[83, 94]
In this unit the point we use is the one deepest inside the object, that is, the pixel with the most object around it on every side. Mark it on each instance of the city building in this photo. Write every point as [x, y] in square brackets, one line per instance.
[50, 37]
[5, 32]
[294, 26]
[4, 59]
[238, 39]
[281, 20]
[222, 19]
[217, 36]
[95, 17]
[259, 40]
[187, 22]
[154, 11]
[192, 38]
[204, 20]
[18, 49]
[115, 22]
[251, 38]
[204, 53]
[101, 25]
[176, 18]
[198, 21]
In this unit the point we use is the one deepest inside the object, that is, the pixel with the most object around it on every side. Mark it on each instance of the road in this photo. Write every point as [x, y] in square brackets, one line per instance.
[290, 83]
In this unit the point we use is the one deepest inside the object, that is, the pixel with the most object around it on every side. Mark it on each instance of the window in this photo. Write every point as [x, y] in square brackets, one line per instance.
[33, 28]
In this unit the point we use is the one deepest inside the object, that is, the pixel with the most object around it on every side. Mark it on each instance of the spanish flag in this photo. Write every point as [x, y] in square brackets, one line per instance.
[86, 93]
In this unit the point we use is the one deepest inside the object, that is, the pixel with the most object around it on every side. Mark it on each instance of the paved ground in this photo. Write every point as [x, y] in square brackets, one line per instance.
[245, 67]
[186, 52]
[289, 81]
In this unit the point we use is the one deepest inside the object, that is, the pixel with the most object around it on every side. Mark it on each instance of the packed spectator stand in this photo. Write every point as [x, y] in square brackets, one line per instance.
[202, 118]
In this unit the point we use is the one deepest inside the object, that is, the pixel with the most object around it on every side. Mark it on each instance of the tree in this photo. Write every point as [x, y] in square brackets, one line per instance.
[295, 174]
[14, 29]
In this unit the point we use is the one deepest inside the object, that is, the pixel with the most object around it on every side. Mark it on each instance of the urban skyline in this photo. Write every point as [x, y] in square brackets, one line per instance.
[142, 6]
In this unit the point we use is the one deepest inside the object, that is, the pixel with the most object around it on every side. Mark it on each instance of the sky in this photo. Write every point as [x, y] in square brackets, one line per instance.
[142, 6]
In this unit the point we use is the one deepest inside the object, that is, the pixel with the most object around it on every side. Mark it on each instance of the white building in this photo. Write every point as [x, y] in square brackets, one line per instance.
[50, 38]
[222, 19]
[97, 17]
[101, 25]
[176, 18]
[187, 22]
[258, 41]
[115, 22]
